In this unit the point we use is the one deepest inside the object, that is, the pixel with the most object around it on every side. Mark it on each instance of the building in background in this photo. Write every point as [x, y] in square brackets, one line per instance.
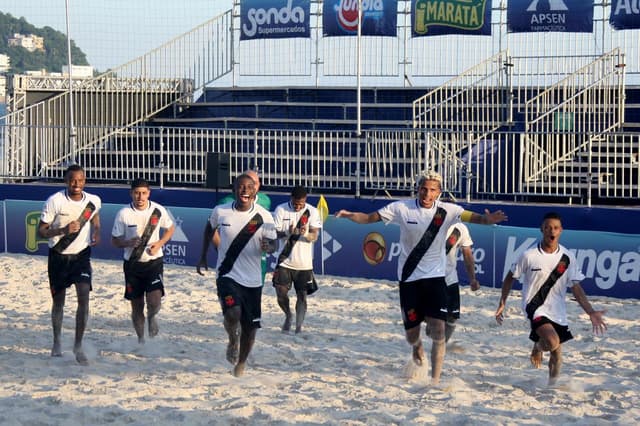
[30, 42]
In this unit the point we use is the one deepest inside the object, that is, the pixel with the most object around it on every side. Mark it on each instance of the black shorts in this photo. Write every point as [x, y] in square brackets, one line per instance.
[249, 299]
[142, 277]
[423, 298]
[453, 302]
[563, 331]
[301, 280]
[67, 269]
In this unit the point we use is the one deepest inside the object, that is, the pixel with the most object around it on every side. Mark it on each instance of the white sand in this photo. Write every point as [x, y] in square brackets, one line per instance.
[345, 368]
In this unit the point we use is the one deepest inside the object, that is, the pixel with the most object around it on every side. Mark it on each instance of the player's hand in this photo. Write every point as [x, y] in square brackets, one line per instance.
[474, 284]
[202, 264]
[495, 217]
[153, 249]
[95, 239]
[344, 213]
[73, 227]
[599, 326]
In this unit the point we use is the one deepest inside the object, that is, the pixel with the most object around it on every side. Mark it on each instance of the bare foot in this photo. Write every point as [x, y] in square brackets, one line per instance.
[287, 324]
[56, 350]
[536, 357]
[81, 358]
[153, 327]
[238, 370]
[418, 354]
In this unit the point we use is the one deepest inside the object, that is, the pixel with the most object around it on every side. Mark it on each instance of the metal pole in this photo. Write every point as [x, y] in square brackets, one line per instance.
[359, 71]
[72, 130]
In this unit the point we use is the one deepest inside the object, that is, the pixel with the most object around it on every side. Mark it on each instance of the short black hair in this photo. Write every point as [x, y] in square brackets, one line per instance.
[72, 169]
[552, 215]
[140, 183]
[298, 192]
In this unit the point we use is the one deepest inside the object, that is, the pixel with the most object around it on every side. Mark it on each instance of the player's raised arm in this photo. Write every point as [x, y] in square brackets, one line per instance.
[359, 217]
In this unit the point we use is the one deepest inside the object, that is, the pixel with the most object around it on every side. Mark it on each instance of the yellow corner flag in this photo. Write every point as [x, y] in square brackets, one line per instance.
[323, 208]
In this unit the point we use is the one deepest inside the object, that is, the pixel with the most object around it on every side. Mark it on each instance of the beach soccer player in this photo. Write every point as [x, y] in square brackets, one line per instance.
[424, 222]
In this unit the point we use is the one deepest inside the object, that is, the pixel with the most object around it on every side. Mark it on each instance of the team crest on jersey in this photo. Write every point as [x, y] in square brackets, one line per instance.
[252, 227]
[153, 220]
[452, 239]
[304, 220]
[86, 213]
[437, 219]
[562, 266]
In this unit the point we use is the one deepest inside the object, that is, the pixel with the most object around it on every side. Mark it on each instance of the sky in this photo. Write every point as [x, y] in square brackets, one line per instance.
[113, 32]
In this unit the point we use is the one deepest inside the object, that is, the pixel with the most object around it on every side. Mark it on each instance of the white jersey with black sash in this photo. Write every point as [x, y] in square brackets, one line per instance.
[533, 269]
[59, 210]
[414, 220]
[233, 226]
[301, 255]
[131, 222]
[457, 236]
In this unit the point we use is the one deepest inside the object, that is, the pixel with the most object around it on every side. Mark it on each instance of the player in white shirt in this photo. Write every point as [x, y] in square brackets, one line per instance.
[70, 220]
[546, 271]
[297, 224]
[422, 261]
[136, 229]
[458, 237]
[246, 231]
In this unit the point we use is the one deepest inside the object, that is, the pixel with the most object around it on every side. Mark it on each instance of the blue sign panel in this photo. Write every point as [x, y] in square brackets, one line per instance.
[274, 19]
[440, 17]
[574, 16]
[625, 14]
[610, 261]
[379, 17]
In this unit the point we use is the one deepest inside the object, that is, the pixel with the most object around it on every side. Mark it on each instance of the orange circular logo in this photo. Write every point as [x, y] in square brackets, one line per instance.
[374, 248]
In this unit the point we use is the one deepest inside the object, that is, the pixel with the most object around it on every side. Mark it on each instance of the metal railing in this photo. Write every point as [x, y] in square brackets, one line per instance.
[338, 162]
[121, 97]
[586, 104]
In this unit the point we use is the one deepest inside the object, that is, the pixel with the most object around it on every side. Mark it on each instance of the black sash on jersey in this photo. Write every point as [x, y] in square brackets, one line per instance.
[538, 299]
[293, 239]
[67, 239]
[423, 245]
[452, 239]
[151, 226]
[238, 244]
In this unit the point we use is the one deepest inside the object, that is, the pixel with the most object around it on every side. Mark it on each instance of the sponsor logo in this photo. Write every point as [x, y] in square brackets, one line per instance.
[282, 18]
[32, 238]
[605, 267]
[627, 7]
[462, 14]
[330, 245]
[347, 12]
[374, 248]
[175, 252]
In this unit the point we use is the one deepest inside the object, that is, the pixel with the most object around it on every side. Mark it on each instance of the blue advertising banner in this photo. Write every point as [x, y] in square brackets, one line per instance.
[379, 17]
[440, 17]
[610, 261]
[274, 19]
[183, 248]
[575, 16]
[625, 14]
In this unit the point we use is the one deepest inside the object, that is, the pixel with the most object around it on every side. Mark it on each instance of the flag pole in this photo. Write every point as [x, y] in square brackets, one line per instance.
[359, 71]
[72, 129]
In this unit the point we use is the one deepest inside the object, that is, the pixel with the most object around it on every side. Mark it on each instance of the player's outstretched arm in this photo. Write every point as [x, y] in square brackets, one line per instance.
[359, 217]
[488, 218]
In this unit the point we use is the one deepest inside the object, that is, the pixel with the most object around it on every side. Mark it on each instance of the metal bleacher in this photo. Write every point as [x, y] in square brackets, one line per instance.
[544, 128]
